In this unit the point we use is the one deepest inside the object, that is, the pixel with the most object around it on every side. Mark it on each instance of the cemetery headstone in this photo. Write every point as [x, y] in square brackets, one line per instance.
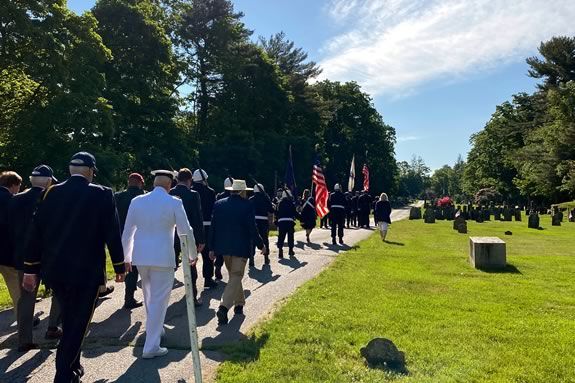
[487, 253]
[533, 222]
[506, 214]
[572, 216]
[518, 216]
[556, 218]
[414, 213]
[460, 224]
[429, 215]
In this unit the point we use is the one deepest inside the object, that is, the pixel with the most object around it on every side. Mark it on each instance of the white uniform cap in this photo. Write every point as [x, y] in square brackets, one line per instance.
[228, 182]
[259, 188]
[337, 187]
[199, 175]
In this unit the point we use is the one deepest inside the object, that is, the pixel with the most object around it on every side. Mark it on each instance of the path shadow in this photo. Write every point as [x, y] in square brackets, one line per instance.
[394, 243]
[143, 370]
[120, 322]
[264, 275]
[302, 245]
[21, 373]
[338, 248]
[227, 334]
[292, 262]
[509, 269]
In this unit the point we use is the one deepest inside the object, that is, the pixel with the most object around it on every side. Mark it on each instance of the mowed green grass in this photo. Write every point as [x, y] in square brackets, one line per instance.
[454, 323]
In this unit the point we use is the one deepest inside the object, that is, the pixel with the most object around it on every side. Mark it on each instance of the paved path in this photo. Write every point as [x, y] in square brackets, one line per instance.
[113, 345]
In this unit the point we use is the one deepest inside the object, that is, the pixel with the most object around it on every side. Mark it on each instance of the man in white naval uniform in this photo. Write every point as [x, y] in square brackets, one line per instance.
[148, 242]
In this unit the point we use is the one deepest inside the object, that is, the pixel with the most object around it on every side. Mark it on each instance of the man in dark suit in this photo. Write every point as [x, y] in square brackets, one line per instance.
[123, 200]
[22, 208]
[192, 206]
[72, 227]
[337, 205]
[232, 236]
[10, 183]
[208, 198]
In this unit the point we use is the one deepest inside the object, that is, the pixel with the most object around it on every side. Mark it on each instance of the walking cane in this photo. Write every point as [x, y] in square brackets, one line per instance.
[191, 310]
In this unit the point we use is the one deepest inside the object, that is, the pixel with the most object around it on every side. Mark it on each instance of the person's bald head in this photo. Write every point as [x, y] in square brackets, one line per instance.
[163, 181]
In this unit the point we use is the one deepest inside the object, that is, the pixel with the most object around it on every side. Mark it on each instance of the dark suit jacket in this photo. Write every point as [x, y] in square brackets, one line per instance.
[382, 212]
[234, 228]
[6, 250]
[72, 227]
[123, 200]
[193, 208]
[207, 198]
[22, 208]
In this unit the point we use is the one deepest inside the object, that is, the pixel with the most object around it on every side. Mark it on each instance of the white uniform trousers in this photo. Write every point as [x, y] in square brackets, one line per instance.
[157, 283]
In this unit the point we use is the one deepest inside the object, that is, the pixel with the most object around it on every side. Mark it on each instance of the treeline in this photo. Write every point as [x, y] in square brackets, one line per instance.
[526, 152]
[147, 84]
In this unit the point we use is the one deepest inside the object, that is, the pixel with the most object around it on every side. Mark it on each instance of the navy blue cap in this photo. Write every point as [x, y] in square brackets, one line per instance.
[84, 159]
[43, 171]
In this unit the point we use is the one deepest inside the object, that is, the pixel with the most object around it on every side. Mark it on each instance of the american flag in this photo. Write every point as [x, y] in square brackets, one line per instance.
[365, 172]
[321, 192]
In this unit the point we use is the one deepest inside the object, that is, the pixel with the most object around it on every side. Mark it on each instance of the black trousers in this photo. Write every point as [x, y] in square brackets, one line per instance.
[131, 282]
[349, 218]
[264, 232]
[209, 267]
[194, 277]
[286, 228]
[337, 224]
[364, 218]
[77, 304]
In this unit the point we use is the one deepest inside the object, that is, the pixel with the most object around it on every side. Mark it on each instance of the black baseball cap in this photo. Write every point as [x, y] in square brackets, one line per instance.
[43, 171]
[84, 159]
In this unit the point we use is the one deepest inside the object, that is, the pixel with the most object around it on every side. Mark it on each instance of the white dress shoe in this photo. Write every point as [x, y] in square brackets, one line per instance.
[150, 355]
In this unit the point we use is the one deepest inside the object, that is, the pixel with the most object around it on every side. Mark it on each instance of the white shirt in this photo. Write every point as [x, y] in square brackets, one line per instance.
[148, 237]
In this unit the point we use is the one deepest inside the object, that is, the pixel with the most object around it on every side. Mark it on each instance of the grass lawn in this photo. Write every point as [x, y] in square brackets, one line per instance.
[6, 302]
[454, 323]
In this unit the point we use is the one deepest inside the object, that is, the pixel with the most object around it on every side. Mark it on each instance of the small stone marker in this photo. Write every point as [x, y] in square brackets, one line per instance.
[556, 219]
[381, 352]
[517, 215]
[460, 225]
[487, 253]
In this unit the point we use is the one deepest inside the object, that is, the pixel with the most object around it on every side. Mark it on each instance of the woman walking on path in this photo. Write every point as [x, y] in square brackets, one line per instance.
[308, 214]
[382, 215]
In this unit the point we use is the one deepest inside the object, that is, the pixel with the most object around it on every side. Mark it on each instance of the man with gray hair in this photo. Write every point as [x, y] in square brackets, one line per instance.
[22, 208]
[148, 242]
[75, 223]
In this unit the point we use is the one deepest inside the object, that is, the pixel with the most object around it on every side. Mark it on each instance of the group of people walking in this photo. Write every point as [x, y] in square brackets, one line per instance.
[58, 233]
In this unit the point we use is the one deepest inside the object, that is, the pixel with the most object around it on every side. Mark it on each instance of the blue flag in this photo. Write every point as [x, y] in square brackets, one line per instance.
[289, 179]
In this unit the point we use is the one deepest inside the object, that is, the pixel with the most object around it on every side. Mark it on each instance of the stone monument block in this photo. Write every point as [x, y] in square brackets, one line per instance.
[414, 213]
[533, 222]
[429, 215]
[487, 253]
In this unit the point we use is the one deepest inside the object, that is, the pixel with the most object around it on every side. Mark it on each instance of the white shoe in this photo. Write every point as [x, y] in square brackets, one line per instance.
[150, 355]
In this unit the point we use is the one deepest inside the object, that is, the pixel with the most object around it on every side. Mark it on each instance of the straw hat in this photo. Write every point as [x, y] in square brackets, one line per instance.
[239, 185]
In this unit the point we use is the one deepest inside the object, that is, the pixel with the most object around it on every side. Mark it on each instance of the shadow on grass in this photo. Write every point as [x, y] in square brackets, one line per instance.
[509, 269]
[242, 351]
[394, 243]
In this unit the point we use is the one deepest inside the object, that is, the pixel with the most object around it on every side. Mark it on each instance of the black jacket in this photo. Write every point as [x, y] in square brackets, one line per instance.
[6, 249]
[262, 205]
[308, 214]
[22, 208]
[234, 230]
[193, 208]
[382, 212]
[123, 201]
[364, 203]
[222, 195]
[72, 227]
[286, 212]
[337, 204]
[207, 198]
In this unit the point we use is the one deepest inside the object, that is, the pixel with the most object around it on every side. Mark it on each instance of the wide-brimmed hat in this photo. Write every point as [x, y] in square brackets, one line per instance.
[239, 185]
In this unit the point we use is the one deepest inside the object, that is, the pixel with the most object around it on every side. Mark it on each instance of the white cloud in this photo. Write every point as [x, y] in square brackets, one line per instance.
[395, 46]
[407, 138]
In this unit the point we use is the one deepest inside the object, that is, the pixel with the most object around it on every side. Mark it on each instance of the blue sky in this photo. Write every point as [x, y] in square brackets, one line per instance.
[436, 68]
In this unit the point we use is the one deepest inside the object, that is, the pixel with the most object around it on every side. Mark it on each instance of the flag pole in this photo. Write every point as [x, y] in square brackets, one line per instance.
[197, 365]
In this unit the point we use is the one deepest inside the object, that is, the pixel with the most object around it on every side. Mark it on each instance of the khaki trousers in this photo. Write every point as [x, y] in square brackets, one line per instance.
[234, 291]
[12, 280]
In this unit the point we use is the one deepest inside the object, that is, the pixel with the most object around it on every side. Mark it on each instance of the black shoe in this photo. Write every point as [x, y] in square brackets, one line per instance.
[53, 333]
[238, 310]
[132, 304]
[109, 290]
[251, 262]
[341, 241]
[218, 274]
[27, 347]
[291, 253]
[222, 315]
[210, 283]
[333, 242]
[266, 260]
[281, 254]
[36, 322]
